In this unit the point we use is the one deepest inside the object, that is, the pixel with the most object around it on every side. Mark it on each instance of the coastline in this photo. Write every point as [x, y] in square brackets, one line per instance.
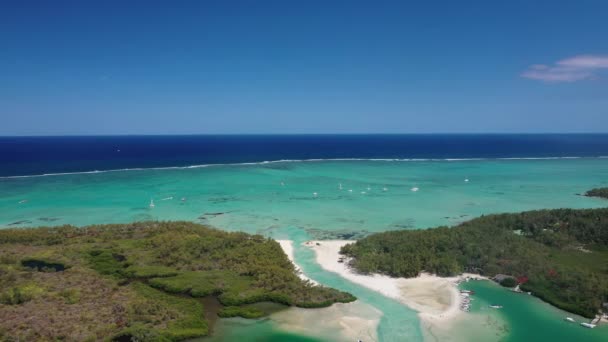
[356, 319]
[436, 299]
[287, 246]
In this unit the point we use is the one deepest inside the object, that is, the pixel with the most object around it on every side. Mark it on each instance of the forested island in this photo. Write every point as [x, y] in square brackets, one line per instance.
[560, 255]
[598, 192]
[141, 281]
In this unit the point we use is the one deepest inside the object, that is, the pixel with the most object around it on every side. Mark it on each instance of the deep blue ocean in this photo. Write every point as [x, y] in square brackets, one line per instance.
[44, 155]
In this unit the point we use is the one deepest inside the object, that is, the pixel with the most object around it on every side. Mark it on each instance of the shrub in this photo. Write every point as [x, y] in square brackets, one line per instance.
[509, 282]
[20, 294]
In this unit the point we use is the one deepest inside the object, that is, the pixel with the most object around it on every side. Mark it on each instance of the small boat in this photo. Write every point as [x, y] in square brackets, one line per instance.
[588, 325]
[570, 319]
[466, 180]
[315, 194]
[152, 203]
[340, 186]
[384, 189]
[22, 201]
[167, 198]
[414, 189]
[496, 306]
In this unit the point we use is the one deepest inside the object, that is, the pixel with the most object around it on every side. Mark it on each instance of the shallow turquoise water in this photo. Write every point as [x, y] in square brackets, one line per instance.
[527, 318]
[278, 200]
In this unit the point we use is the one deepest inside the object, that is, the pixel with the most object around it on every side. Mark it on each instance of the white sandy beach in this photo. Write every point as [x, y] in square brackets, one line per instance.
[287, 246]
[437, 299]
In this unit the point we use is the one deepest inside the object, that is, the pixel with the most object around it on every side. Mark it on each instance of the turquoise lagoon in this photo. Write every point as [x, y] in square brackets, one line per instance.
[353, 198]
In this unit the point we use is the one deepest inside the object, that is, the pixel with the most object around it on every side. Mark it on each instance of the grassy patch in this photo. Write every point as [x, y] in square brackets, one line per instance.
[20, 294]
[107, 262]
[202, 284]
[185, 316]
[146, 271]
[241, 311]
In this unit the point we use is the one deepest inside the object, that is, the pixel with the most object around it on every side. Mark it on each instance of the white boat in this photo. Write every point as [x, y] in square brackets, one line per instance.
[152, 203]
[570, 319]
[414, 189]
[384, 189]
[588, 325]
[496, 306]
[315, 194]
[466, 180]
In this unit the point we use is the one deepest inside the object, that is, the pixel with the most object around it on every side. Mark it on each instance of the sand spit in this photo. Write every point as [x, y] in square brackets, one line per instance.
[339, 322]
[437, 299]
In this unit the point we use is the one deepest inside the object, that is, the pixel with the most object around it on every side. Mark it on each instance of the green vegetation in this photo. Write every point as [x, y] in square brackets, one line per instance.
[20, 294]
[597, 192]
[140, 281]
[509, 282]
[559, 255]
[241, 311]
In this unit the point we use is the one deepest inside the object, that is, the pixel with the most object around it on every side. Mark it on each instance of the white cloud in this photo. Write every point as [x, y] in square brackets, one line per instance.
[577, 68]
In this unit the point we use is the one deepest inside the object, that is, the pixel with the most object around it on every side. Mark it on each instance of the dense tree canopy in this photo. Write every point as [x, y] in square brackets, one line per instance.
[562, 254]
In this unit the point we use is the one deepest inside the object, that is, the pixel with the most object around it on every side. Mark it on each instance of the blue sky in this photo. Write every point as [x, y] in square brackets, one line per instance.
[186, 67]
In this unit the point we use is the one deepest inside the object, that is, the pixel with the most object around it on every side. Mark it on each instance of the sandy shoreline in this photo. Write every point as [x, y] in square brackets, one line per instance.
[355, 320]
[287, 246]
[437, 299]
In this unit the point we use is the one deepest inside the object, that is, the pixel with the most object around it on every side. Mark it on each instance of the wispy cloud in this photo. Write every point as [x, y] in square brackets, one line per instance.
[577, 68]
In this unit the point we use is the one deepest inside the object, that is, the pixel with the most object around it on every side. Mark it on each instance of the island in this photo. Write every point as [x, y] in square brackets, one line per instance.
[161, 281]
[597, 192]
[560, 256]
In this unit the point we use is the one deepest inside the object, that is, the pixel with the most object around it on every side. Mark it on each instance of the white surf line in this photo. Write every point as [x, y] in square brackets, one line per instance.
[299, 161]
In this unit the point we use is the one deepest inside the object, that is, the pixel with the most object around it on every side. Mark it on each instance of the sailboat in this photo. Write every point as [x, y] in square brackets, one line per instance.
[151, 203]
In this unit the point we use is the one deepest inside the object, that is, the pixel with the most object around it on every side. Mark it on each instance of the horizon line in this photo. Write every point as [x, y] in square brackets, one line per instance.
[292, 134]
